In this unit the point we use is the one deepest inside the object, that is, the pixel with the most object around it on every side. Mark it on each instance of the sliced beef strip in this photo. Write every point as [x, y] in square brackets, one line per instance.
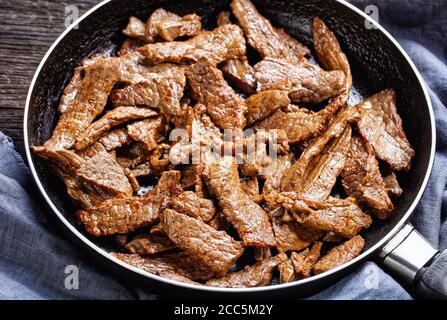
[162, 89]
[258, 275]
[130, 46]
[392, 185]
[169, 26]
[214, 249]
[136, 187]
[241, 74]
[293, 178]
[362, 180]
[135, 29]
[304, 81]
[223, 43]
[262, 254]
[111, 119]
[223, 18]
[71, 90]
[248, 218]
[261, 35]
[145, 244]
[251, 188]
[126, 214]
[304, 262]
[115, 139]
[208, 86]
[263, 104]
[148, 131]
[340, 255]
[286, 272]
[192, 205]
[292, 236]
[381, 127]
[273, 180]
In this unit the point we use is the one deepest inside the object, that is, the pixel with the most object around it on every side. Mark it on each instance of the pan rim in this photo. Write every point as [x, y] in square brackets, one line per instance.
[203, 288]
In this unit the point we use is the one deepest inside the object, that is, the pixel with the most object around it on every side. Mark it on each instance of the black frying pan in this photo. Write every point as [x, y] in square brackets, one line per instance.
[377, 61]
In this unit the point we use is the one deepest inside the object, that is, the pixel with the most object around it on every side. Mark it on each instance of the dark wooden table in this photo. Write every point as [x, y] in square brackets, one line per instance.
[27, 29]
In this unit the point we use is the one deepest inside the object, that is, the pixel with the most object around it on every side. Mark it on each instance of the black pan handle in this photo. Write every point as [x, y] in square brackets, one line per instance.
[413, 259]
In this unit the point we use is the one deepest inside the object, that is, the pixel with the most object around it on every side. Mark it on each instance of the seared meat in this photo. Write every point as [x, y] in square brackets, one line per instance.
[126, 214]
[71, 90]
[340, 255]
[149, 244]
[223, 18]
[263, 104]
[169, 26]
[392, 185]
[362, 180]
[248, 218]
[286, 272]
[135, 29]
[304, 81]
[258, 275]
[115, 139]
[261, 35]
[262, 253]
[213, 249]
[304, 262]
[292, 236]
[251, 188]
[241, 74]
[209, 87]
[223, 43]
[149, 131]
[110, 119]
[381, 127]
[190, 204]
[273, 181]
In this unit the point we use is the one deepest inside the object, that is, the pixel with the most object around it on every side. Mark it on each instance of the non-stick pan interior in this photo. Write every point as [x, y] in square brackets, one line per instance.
[377, 64]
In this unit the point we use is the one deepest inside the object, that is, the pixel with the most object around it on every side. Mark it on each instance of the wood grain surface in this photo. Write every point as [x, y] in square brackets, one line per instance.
[27, 28]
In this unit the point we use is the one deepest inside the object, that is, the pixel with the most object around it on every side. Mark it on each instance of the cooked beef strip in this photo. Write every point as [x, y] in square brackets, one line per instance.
[126, 214]
[392, 185]
[135, 29]
[262, 254]
[169, 26]
[71, 90]
[133, 180]
[263, 104]
[111, 119]
[304, 262]
[362, 180]
[273, 181]
[286, 272]
[293, 178]
[130, 46]
[258, 275]
[251, 188]
[209, 87]
[381, 127]
[149, 131]
[332, 237]
[143, 170]
[304, 81]
[292, 236]
[190, 204]
[241, 74]
[223, 18]
[149, 244]
[223, 43]
[161, 90]
[248, 218]
[214, 249]
[340, 255]
[115, 139]
[261, 35]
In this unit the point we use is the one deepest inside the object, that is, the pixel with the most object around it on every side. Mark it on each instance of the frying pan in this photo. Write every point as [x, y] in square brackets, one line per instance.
[377, 62]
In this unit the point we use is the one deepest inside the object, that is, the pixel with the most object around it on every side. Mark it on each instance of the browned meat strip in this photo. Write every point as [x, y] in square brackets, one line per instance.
[258, 275]
[362, 180]
[223, 43]
[209, 247]
[381, 126]
[262, 36]
[304, 81]
[392, 185]
[251, 188]
[130, 46]
[123, 215]
[286, 272]
[149, 131]
[190, 204]
[249, 219]
[241, 74]
[71, 90]
[110, 119]
[304, 262]
[169, 26]
[135, 29]
[292, 236]
[262, 253]
[263, 104]
[340, 255]
[273, 180]
[115, 139]
[136, 187]
[149, 244]
[209, 87]
[178, 266]
[223, 18]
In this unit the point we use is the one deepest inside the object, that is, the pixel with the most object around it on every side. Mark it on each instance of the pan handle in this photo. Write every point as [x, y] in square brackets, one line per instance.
[412, 258]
